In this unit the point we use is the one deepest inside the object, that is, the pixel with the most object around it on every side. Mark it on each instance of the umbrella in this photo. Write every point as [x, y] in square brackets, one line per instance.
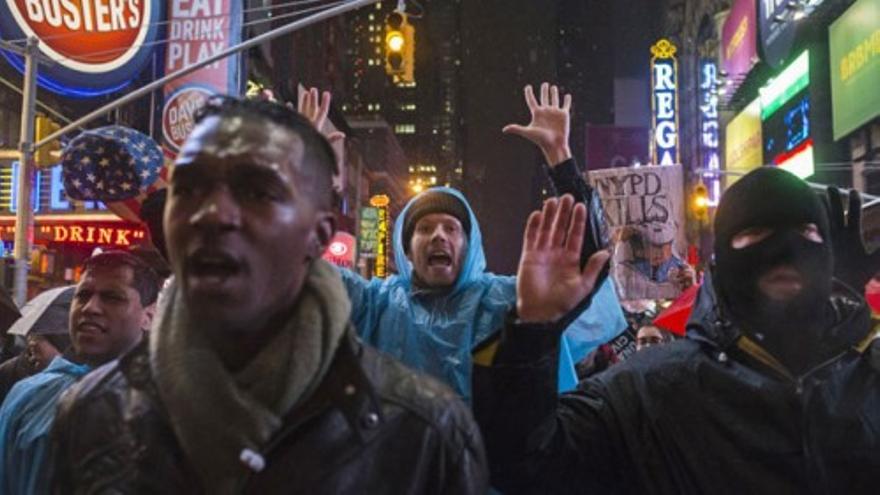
[8, 311]
[675, 317]
[112, 163]
[45, 314]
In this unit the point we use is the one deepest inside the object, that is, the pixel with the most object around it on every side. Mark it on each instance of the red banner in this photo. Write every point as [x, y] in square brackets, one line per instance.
[196, 31]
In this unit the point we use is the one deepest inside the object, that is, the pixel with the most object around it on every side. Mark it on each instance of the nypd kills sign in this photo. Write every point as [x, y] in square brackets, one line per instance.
[664, 104]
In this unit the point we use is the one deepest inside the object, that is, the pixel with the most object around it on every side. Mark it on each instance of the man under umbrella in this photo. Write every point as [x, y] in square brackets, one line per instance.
[112, 308]
[43, 325]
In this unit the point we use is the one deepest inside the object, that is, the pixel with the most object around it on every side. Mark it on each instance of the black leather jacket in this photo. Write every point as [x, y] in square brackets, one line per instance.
[372, 426]
[700, 415]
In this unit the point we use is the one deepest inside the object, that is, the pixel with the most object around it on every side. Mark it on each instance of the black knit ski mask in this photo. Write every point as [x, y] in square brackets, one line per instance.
[791, 330]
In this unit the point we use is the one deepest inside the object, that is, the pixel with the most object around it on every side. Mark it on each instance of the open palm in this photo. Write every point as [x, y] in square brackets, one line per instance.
[551, 122]
[550, 281]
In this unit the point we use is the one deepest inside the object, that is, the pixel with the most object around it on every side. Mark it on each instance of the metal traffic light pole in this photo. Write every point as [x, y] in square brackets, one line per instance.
[23, 215]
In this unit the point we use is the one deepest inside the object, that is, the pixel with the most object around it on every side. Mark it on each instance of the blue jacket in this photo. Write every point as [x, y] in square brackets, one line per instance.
[435, 333]
[25, 424]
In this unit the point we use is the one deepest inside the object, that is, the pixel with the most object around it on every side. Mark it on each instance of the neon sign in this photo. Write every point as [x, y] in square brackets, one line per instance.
[381, 270]
[51, 179]
[97, 46]
[711, 163]
[664, 103]
[92, 234]
[785, 119]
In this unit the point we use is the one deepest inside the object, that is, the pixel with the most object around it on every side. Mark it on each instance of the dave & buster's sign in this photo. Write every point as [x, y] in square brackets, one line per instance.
[98, 46]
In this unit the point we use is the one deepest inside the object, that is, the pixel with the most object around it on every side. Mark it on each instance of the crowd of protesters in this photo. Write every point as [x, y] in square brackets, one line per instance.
[237, 360]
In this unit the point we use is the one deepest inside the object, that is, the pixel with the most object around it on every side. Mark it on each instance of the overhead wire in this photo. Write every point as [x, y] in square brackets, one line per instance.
[291, 3]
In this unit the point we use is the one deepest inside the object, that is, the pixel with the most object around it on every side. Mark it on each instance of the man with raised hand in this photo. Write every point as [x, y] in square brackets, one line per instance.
[774, 390]
[442, 303]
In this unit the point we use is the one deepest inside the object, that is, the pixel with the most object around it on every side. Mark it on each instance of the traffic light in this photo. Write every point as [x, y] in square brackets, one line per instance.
[47, 155]
[400, 48]
[700, 200]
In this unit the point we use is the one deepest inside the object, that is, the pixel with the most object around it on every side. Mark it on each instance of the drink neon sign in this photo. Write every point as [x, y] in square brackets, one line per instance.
[664, 103]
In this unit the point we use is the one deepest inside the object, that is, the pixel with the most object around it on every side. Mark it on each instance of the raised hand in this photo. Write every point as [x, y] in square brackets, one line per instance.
[551, 123]
[315, 108]
[852, 262]
[550, 282]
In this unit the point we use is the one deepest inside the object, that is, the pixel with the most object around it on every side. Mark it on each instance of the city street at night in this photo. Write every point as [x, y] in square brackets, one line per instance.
[439, 246]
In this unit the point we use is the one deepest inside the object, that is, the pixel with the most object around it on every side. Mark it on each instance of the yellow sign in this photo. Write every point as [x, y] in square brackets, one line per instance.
[744, 146]
[381, 269]
[380, 200]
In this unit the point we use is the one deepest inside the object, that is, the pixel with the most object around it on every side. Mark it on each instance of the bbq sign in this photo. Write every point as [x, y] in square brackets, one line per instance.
[98, 46]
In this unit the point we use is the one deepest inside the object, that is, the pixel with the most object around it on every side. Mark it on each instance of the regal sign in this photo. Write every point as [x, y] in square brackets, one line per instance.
[664, 104]
[99, 46]
[710, 159]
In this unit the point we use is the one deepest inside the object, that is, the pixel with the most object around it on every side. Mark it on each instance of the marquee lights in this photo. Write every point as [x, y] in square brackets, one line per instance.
[664, 103]
[709, 129]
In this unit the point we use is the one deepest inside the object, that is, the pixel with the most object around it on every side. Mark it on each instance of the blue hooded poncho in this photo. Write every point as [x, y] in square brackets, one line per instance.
[25, 424]
[436, 333]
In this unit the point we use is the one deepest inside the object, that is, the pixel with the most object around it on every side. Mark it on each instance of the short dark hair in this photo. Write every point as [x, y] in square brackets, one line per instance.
[144, 279]
[319, 164]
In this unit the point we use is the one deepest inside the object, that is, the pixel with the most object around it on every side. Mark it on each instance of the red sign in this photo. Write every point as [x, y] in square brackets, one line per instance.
[196, 31]
[340, 252]
[107, 32]
[179, 113]
[112, 39]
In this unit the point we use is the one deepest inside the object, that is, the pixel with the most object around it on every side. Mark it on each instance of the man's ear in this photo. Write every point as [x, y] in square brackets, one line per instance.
[325, 227]
[147, 317]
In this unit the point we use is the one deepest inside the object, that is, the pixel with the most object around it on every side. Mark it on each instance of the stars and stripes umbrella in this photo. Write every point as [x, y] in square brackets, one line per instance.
[109, 164]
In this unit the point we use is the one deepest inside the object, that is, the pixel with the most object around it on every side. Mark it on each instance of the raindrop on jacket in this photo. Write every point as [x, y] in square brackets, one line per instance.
[435, 333]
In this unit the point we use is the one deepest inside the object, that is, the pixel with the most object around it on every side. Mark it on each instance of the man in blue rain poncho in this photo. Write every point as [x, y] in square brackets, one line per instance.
[442, 303]
[111, 309]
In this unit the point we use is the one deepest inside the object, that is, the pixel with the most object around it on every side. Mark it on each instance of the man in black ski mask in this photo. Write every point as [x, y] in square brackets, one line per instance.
[774, 265]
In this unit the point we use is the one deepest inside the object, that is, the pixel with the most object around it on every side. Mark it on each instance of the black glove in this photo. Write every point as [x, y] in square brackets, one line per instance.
[852, 262]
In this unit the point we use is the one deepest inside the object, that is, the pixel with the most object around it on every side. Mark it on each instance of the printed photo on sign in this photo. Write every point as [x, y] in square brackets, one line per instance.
[644, 212]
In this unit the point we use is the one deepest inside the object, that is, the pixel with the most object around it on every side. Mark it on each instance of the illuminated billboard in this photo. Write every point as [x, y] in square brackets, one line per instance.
[664, 104]
[854, 49]
[96, 47]
[785, 119]
[743, 143]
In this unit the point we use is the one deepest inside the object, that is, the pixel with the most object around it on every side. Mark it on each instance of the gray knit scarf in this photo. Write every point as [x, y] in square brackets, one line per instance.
[217, 414]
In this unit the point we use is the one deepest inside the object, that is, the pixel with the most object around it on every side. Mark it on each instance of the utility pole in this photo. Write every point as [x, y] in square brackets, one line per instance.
[24, 217]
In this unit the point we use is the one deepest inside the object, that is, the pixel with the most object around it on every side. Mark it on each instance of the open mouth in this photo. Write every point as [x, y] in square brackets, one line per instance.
[439, 259]
[212, 264]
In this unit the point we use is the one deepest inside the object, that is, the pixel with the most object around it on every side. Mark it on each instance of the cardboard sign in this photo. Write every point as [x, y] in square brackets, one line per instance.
[644, 211]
